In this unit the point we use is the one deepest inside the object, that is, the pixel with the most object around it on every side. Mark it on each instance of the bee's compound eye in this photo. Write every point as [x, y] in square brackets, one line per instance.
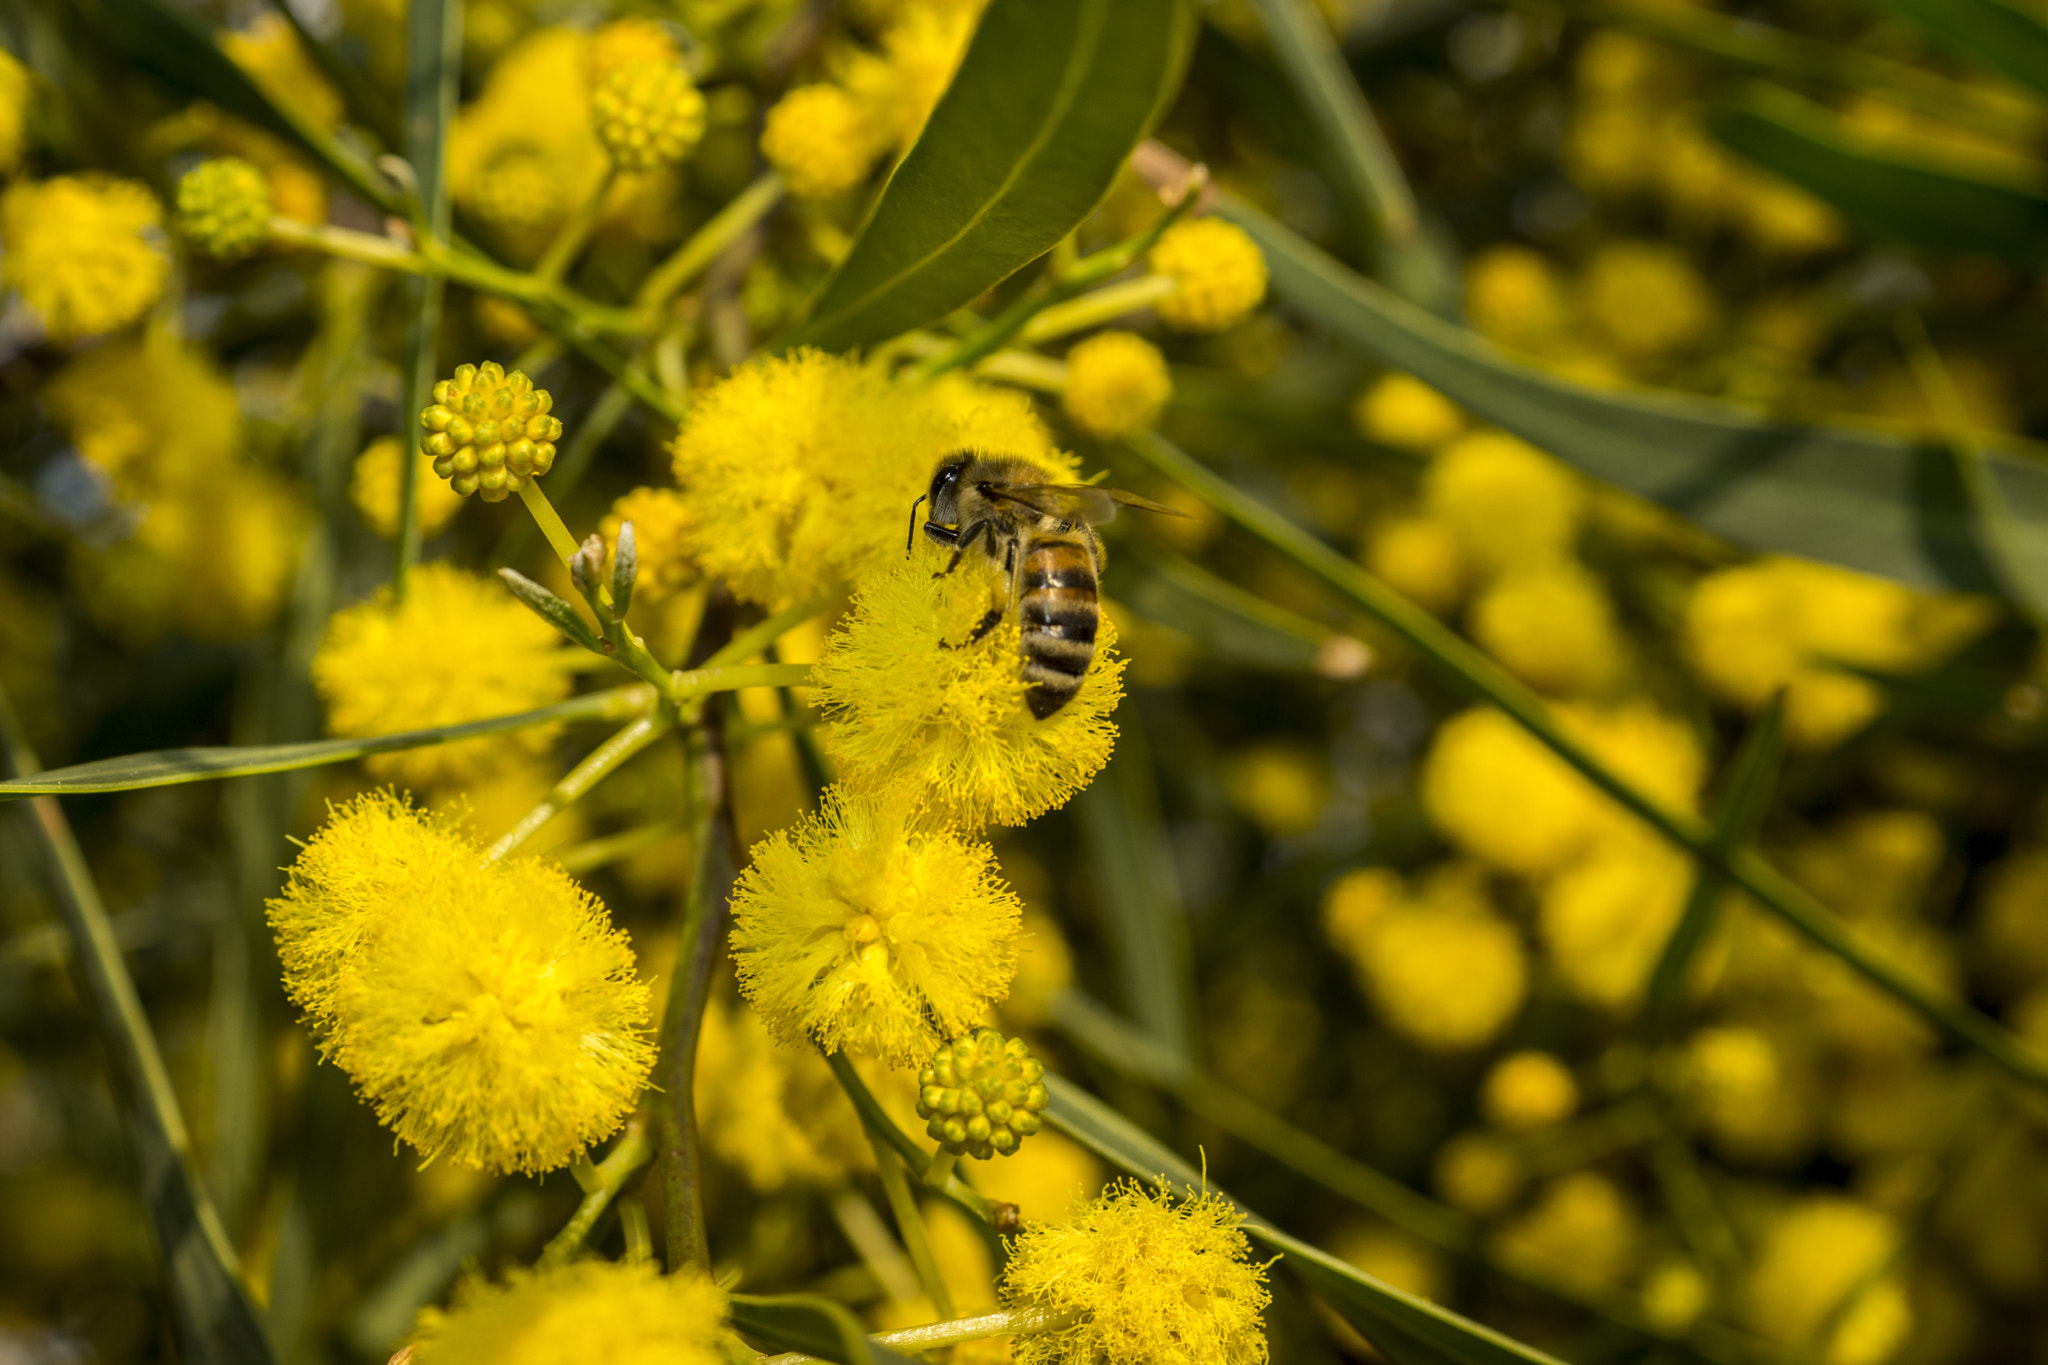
[943, 480]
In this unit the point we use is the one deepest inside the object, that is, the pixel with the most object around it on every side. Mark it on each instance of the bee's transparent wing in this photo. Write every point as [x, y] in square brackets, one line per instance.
[1077, 501]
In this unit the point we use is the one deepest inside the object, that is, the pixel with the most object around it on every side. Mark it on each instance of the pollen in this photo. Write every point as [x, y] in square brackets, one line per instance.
[224, 207]
[1117, 384]
[918, 707]
[488, 1011]
[1218, 271]
[622, 1313]
[458, 648]
[647, 114]
[1151, 1279]
[85, 252]
[489, 431]
[820, 140]
[860, 929]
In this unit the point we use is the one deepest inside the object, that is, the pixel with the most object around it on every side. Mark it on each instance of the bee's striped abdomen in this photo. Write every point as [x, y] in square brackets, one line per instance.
[1057, 613]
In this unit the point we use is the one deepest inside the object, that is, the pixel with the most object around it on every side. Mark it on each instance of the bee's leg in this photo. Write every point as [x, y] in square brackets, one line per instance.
[988, 623]
[967, 537]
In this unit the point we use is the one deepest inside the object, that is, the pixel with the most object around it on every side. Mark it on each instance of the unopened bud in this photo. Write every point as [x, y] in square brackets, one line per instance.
[981, 1095]
[489, 432]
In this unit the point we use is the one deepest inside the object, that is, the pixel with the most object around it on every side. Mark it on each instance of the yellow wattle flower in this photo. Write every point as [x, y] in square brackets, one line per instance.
[821, 140]
[661, 520]
[914, 709]
[1218, 271]
[224, 207]
[16, 88]
[487, 1010]
[647, 114]
[619, 1313]
[1117, 384]
[858, 928]
[85, 252]
[458, 648]
[1150, 1278]
[373, 489]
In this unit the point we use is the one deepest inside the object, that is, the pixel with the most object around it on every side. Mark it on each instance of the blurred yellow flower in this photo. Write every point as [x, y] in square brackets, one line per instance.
[17, 88]
[1117, 384]
[1582, 1230]
[774, 1114]
[1441, 967]
[622, 1313]
[1400, 410]
[1817, 1253]
[661, 541]
[268, 49]
[821, 141]
[1421, 558]
[373, 488]
[85, 252]
[1506, 502]
[1553, 625]
[1513, 296]
[1478, 1172]
[156, 417]
[1604, 920]
[858, 929]
[460, 647]
[1647, 298]
[1219, 275]
[1152, 1279]
[1528, 1089]
[647, 114]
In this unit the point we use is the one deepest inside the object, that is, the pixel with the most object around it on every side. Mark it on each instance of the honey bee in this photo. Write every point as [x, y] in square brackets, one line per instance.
[1042, 537]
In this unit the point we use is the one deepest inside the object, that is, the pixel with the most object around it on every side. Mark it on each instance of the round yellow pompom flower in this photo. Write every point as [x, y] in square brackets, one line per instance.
[224, 207]
[800, 469]
[1605, 919]
[622, 42]
[84, 251]
[1218, 272]
[16, 87]
[1443, 968]
[1552, 625]
[1497, 792]
[487, 1010]
[1151, 1279]
[1420, 558]
[622, 1313]
[373, 488]
[661, 532]
[1116, 384]
[865, 931]
[821, 141]
[917, 708]
[1529, 1089]
[1581, 1229]
[1647, 298]
[647, 114]
[1507, 502]
[1822, 1250]
[458, 648]
[1401, 410]
[489, 432]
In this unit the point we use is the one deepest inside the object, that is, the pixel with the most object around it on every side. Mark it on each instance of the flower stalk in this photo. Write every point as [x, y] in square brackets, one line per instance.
[601, 1184]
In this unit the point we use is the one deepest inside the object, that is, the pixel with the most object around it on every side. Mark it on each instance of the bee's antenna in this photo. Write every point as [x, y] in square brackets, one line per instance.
[910, 541]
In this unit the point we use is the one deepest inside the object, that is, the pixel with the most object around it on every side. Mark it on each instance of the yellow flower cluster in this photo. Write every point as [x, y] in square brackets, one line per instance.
[864, 931]
[1787, 625]
[1438, 961]
[648, 114]
[269, 50]
[1117, 384]
[85, 252]
[1151, 1280]
[1816, 1269]
[373, 488]
[458, 648]
[661, 520]
[800, 470]
[224, 207]
[1219, 275]
[487, 1010]
[621, 1313]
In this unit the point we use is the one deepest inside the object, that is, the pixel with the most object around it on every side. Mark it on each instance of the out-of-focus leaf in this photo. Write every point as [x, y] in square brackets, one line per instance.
[1411, 1331]
[1049, 100]
[166, 41]
[815, 1326]
[170, 767]
[1229, 624]
[2000, 36]
[1863, 499]
[1890, 193]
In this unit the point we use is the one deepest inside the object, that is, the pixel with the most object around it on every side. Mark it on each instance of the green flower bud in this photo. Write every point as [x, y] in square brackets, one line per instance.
[647, 114]
[489, 432]
[224, 207]
[981, 1095]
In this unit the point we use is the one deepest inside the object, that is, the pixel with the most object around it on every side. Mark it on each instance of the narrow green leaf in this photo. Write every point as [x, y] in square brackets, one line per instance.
[1755, 769]
[1891, 193]
[171, 767]
[1409, 1330]
[1863, 499]
[216, 1322]
[554, 610]
[1226, 622]
[1049, 100]
[815, 1326]
[1140, 898]
[1998, 36]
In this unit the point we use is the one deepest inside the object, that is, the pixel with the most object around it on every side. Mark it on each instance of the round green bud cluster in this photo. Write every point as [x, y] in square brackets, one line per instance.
[647, 114]
[982, 1095]
[489, 432]
[224, 207]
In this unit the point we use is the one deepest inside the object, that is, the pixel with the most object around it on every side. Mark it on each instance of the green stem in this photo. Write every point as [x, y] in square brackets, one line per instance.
[549, 520]
[1481, 677]
[877, 1121]
[698, 682]
[697, 953]
[1103, 306]
[695, 256]
[215, 1317]
[1008, 1322]
[910, 1226]
[762, 634]
[571, 236]
[941, 1170]
[347, 244]
[601, 1184]
[592, 854]
[599, 764]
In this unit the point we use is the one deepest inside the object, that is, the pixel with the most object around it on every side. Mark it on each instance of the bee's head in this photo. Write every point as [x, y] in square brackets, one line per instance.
[945, 490]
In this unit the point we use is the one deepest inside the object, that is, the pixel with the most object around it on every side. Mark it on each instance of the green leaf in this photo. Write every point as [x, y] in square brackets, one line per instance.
[1227, 623]
[172, 767]
[1891, 193]
[1408, 1330]
[817, 1327]
[1870, 501]
[1048, 102]
[1999, 36]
